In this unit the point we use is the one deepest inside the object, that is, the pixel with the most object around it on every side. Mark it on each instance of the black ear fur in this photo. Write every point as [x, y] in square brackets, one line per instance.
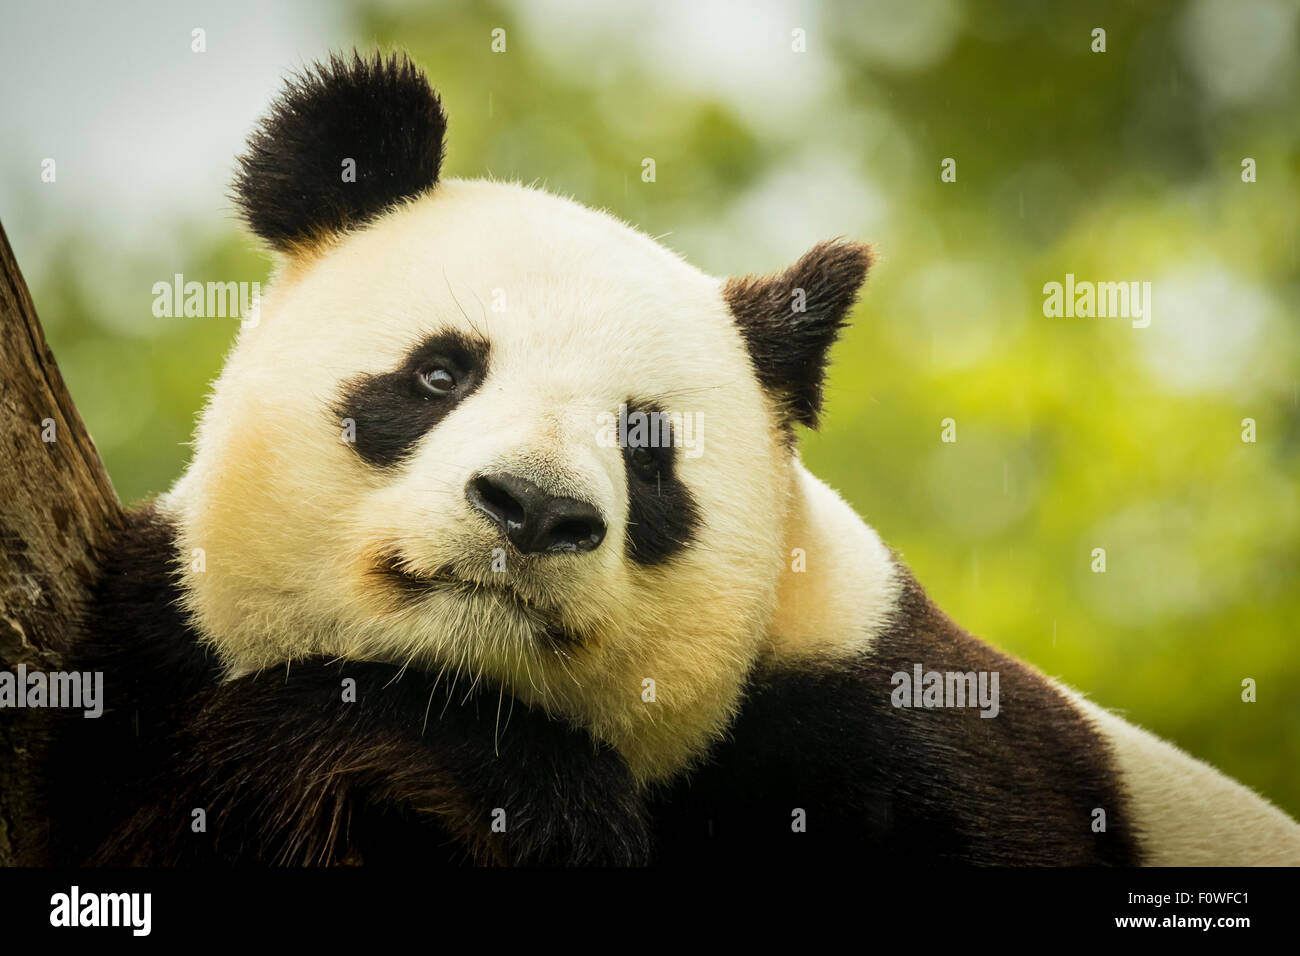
[380, 112]
[789, 348]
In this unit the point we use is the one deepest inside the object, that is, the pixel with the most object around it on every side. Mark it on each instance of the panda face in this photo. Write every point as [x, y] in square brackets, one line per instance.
[414, 456]
[489, 432]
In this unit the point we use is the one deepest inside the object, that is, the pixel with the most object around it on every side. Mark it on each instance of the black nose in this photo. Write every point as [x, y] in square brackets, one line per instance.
[533, 520]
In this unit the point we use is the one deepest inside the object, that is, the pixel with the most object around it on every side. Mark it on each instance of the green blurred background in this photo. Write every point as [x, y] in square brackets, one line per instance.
[1072, 433]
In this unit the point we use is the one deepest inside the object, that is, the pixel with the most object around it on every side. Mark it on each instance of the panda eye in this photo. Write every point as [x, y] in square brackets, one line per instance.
[643, 460]
[437, 380]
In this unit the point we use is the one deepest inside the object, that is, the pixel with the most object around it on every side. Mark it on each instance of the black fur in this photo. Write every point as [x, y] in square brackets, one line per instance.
[662, 513]
[290, 774]
[790, 348]
[152, 662]
[391, 412]
[886, 785]
[410, 773]
[379, 112]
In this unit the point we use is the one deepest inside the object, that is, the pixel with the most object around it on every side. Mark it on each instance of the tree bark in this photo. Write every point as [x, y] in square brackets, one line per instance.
[57, 512]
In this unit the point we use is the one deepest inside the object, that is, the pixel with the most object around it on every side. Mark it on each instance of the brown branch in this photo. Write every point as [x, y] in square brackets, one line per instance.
[57, 510]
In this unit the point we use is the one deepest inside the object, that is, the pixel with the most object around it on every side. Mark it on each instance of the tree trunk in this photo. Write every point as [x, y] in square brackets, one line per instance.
[57, 511]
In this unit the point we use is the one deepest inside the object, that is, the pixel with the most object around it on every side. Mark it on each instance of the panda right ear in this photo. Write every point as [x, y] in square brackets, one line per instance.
[344, 142]
[790, 320]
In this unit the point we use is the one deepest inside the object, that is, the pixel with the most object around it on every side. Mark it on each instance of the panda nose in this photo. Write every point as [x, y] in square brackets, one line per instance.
[535, 522]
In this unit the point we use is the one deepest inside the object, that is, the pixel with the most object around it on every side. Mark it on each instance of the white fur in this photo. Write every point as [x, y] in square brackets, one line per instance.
[839, 593]
[291, 520]
[1189, 813]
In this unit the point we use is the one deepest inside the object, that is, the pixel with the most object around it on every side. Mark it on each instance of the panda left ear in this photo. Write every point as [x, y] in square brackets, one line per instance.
[344, 142]
[789, 322]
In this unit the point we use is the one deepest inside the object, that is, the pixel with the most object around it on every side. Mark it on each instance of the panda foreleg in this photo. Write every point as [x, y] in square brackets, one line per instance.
[287, 772]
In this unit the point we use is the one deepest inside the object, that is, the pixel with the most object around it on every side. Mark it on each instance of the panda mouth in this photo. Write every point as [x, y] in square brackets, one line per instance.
[416, 584]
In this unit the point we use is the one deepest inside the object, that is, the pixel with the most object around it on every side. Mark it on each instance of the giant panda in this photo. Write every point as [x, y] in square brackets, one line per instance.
[560, 648]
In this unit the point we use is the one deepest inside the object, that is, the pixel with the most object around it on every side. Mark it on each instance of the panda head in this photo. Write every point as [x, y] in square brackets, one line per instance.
[496, 434]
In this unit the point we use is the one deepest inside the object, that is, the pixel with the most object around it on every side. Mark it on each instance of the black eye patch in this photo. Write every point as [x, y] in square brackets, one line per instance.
[392, 411]
[662, 514]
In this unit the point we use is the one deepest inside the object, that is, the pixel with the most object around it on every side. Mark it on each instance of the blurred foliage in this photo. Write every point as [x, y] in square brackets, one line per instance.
[1073, 434]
